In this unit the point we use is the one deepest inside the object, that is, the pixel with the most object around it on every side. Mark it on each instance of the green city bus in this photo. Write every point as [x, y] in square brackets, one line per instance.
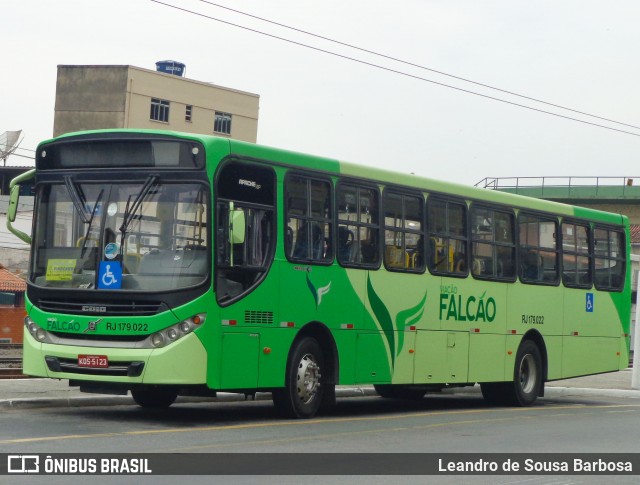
[167, 264]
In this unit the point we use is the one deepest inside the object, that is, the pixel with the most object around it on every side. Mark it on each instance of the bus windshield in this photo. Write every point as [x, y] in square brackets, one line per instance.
[146, 236]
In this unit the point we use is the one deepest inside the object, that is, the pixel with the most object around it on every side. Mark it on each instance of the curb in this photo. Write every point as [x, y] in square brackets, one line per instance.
[105, 400]
[584, 391]
[81, 401]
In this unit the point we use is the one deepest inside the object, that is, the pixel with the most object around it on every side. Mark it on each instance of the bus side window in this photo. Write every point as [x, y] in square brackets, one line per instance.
[539, 252]
[358, 215]
[310, 242]
[345, 244]
[309, 213]
[243, 264]
[447, 236]
[369, 248]
[609, 259]
[531, 266]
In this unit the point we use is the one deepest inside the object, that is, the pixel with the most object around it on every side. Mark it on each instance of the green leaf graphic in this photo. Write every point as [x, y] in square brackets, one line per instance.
[408, 317]
[384, 318]
[313, 290]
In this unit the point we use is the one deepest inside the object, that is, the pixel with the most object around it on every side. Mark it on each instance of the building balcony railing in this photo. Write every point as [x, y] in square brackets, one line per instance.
[557, 187]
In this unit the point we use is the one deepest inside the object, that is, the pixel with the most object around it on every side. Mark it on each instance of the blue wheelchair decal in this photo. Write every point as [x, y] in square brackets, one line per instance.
[110, 275]
[589, 305]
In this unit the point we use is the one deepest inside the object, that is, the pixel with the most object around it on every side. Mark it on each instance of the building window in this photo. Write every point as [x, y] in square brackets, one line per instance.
[187, 113]
[159, 110]
[222, 123]
[8, 299]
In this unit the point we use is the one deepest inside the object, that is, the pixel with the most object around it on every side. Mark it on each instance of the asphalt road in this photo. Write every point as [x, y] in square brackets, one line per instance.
[368, 424]
[437, 424]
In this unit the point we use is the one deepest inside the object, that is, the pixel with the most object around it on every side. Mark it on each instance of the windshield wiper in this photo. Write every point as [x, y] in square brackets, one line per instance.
[89, 222]
[78, 199]
[131, 209]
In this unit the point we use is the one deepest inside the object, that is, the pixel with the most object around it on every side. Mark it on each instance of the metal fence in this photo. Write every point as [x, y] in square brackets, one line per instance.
[11, 356]
[497, 183]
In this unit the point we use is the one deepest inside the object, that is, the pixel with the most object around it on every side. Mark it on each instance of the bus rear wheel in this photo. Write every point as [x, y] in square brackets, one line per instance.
[303, 392]
[155, 397]
[527, 375]
[528, 380]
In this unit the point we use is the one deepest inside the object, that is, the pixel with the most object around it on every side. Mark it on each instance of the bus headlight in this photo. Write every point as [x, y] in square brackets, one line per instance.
[177, 331]
[36, 331]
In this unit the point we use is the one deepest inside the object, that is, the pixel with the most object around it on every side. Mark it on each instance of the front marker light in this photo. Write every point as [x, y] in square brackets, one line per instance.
[176, 331]
[41, 335]
[157, 340]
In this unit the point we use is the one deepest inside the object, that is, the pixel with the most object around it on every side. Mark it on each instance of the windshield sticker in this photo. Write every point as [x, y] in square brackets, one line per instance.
[60, 269]
[112, 210]
[110, 275]
[111, 250]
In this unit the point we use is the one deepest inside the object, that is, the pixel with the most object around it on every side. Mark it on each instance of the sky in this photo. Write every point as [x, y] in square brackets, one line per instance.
[580, 54]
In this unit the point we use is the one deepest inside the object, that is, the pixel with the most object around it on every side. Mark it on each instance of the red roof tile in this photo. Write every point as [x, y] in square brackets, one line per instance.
[634, 229]
[10, 282]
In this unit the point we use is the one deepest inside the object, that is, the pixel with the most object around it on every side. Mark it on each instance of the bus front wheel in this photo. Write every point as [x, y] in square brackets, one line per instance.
[154, 397]
[302, 395]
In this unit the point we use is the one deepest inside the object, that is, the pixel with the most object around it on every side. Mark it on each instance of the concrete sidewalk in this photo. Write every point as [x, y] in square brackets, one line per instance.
[51, 393]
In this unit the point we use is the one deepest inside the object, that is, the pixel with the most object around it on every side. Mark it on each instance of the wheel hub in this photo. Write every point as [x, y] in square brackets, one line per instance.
[308, 378]
[528, 373]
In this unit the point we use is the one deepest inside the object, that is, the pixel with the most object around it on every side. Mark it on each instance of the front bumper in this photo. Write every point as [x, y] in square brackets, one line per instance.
[182, 362]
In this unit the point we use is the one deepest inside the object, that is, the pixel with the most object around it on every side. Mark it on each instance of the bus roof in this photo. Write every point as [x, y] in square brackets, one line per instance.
[221, 147]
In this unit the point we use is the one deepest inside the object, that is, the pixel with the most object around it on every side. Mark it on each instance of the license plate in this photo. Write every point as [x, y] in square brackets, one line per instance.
[93, 361]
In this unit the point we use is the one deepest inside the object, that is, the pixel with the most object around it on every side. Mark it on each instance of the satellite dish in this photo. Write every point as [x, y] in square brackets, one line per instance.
[9, 141]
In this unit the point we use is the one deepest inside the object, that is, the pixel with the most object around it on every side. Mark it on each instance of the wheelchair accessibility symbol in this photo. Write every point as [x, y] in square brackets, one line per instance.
[110, 275]
[589, 305]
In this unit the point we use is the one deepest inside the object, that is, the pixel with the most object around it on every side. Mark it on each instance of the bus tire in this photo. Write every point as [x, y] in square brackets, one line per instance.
[495, 393]
[527, 381]
[155, 397]
[390, 391]
[303, 392]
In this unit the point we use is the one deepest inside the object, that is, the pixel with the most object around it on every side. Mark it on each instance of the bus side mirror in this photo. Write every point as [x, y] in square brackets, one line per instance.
[13, 203]
[12, 211]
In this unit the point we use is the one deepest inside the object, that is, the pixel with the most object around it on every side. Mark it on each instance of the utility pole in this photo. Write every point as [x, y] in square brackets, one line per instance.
[635, 373]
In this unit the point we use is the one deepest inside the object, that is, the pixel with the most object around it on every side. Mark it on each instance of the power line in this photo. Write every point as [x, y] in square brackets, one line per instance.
[14, 154]
[413, 64]
[395, 71]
